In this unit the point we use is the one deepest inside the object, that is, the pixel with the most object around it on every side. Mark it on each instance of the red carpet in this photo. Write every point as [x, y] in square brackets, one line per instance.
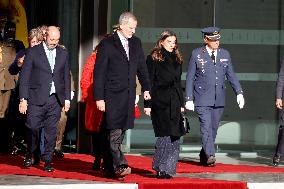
[77, 166]
[144, 163]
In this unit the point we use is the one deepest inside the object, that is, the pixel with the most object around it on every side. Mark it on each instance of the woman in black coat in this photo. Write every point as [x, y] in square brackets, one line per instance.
[165, 69]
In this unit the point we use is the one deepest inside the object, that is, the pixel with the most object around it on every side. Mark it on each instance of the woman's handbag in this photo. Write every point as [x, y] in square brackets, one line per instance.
[137, 113]
[185, 128]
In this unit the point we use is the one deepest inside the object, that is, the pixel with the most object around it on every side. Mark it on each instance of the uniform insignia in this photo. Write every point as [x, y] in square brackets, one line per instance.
[202, 62]
[198, 56]
[223, 60]
[203, 71]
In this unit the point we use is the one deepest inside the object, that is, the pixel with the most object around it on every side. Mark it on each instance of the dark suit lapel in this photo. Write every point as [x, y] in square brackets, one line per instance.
[57, 57]
[131, 48]
[43, 56]
[119, 46]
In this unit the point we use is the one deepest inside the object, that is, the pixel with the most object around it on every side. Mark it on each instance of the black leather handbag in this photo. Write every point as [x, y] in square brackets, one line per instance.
[184, 124]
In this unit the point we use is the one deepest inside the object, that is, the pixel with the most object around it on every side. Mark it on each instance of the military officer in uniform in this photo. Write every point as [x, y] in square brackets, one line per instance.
[208, 68]
[7, 81]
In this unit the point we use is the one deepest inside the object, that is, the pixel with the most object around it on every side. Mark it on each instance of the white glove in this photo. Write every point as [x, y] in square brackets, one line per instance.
[137, 99]
[240, 101]
[72, 95]
[189, 105]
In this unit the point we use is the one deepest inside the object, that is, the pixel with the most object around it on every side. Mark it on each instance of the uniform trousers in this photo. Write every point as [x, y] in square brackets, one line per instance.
[4, 102]
[209, 118]
[45, 116]
[166, 154]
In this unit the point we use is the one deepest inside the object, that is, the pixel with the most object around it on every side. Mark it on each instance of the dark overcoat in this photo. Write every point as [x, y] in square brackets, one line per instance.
[167, 96]
[115, 79]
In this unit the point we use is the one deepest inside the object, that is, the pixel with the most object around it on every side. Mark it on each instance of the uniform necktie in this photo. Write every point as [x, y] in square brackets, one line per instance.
[213, 57]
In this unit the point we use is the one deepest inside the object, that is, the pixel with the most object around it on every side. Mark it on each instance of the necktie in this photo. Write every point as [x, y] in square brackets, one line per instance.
[213, 57]
[51, 63]
[51, 59]
[126, 47]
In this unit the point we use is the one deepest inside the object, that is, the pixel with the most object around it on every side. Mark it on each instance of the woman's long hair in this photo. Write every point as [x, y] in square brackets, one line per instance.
[156, 53]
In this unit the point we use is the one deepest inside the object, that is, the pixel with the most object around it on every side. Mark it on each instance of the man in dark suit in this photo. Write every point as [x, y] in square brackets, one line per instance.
[205, 89]
[279, 104]
[119, 59]
[44, 90]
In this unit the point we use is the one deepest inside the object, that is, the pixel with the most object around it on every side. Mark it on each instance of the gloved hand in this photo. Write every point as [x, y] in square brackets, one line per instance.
[240, 101]
[72, 95]
[189, 105]
[137, 99]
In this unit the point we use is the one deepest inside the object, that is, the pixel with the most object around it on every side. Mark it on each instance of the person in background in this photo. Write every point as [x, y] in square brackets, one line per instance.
[119, 59]
[93, 116]
[279, 151]
[166, 104]
[9, 46]
[43, 28]
[10, 36]
[61, 125]
[35, 37]
[208, 68]
[45, 87]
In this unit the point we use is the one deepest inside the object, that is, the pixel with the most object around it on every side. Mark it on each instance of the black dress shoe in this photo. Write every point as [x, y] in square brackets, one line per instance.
[28, 160]
[275, 161]
[163, 175]
[203, 158]
[58, 153]
[108, 173]
[36, 159]
[48, 167]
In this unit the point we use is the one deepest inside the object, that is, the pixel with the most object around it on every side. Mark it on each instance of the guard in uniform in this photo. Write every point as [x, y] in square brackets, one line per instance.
[7, 84]
[9, 46]
[7, 81]
[208, 68]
